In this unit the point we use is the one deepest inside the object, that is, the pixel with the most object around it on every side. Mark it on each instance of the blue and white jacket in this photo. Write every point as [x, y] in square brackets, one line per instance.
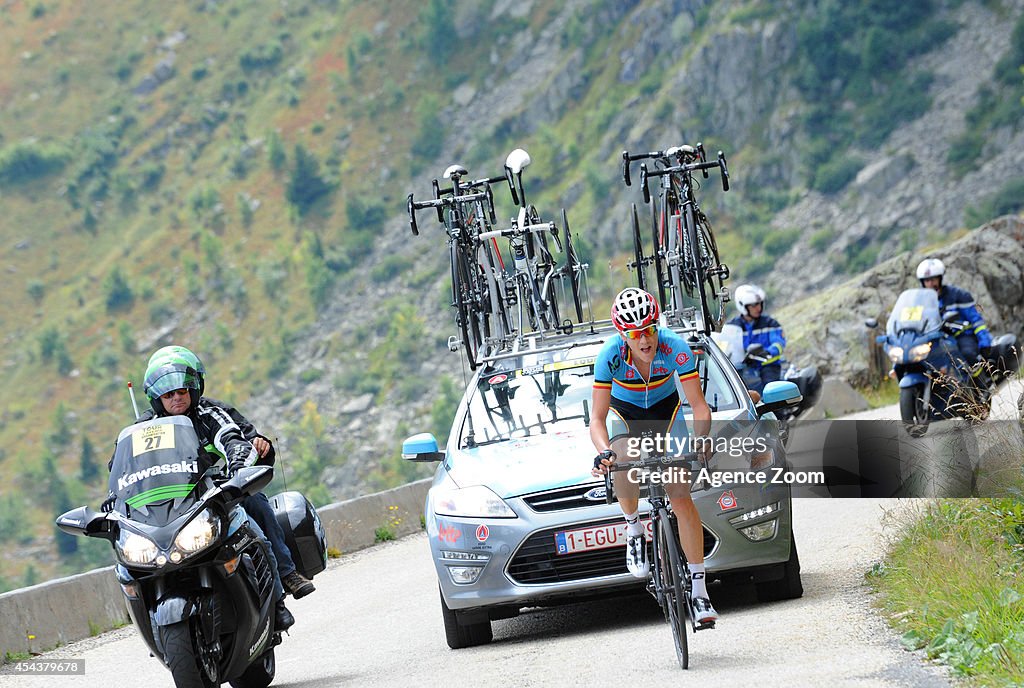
[961, 302]
[765, 331]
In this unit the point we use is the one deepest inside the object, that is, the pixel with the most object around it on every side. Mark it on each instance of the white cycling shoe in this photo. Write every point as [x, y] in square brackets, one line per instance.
[636, 556]
[703, 612]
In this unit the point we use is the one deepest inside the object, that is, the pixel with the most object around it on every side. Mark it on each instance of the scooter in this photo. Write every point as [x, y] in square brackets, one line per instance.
[196, 577]
[934, 381]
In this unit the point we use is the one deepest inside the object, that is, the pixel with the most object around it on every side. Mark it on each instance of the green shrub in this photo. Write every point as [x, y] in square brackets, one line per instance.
[262, 56]
[26, 161]
[820, 240]
[1008, 199]
[305, 186]
[118, 293]
[836, 174]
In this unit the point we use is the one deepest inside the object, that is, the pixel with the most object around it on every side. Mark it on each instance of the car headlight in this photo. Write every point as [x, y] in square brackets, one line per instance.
[920, 352]
[896, 354]
[471, 502]
[203, 531]
[136, 549]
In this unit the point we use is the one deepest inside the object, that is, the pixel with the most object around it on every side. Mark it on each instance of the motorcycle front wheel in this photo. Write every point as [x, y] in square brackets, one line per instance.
[913, 411]
[190, 667]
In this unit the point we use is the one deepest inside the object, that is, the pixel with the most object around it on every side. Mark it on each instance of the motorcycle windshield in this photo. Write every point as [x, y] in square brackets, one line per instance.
[917, 310]
[156, 462]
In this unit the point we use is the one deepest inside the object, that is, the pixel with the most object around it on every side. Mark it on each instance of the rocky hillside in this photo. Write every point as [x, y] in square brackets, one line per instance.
[828, 328]
[231, 175]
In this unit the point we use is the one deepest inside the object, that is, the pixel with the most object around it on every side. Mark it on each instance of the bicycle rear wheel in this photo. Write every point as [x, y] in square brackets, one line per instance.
[573, 263]
[466, 316]
[674, 597]
[714, 273]
[638, 251]
[698, 270]
[659, 245]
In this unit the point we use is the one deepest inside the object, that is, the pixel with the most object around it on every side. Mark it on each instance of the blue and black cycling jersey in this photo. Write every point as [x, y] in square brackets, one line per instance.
[614, 370]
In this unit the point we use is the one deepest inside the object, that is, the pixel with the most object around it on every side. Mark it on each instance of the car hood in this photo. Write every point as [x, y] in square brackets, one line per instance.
[532, 464]
[527, 464]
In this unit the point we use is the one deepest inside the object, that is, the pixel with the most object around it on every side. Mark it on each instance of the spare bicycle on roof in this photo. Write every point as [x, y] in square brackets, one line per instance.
[688, 274]
[502, 299]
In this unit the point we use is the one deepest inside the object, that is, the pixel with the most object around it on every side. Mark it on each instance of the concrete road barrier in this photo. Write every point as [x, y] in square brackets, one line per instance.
[60, 611]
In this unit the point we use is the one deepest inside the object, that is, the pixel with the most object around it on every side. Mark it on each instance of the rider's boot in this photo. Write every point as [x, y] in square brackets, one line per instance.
[703, 612]
[283, 619]
[636, 556]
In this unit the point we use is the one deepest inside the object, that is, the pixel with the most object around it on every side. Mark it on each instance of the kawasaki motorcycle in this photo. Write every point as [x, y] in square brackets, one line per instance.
[196, 578]
[934, 381]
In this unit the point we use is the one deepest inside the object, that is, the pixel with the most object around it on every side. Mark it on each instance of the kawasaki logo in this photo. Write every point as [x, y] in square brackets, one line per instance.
[162, 469]
[259, 641]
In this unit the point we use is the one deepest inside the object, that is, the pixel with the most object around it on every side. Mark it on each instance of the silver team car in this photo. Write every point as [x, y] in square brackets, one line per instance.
[516, 520]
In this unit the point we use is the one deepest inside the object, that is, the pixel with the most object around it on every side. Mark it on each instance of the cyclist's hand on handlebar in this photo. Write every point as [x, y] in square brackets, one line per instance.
[602, 461]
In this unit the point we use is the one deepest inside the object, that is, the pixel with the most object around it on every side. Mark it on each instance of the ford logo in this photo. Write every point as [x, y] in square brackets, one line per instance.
[595, 495]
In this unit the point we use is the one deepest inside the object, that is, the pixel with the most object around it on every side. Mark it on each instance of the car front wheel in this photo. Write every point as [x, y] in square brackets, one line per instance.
[789, 586]
[461, 634]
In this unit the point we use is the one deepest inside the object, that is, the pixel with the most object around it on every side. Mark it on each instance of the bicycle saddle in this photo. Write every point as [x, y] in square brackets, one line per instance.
[517, 160]
[455, 171]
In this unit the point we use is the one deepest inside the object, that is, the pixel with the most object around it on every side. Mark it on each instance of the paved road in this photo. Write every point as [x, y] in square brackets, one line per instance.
[375, 621]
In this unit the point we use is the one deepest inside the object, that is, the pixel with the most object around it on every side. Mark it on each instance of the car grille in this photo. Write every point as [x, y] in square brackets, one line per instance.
[536, 562]
[563, 498]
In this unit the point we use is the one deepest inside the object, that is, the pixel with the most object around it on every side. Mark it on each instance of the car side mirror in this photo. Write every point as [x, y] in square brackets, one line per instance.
[778, 395]
[421, 447]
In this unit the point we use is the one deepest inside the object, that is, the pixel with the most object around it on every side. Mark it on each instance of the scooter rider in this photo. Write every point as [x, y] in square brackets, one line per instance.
[976, 339]
[173, 389]
[635, 390]
[762, 329]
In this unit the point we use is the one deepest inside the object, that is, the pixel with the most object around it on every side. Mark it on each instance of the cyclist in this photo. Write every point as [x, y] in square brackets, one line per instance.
[975, 341]
[762, 329]
[256, 505]
[635, 378]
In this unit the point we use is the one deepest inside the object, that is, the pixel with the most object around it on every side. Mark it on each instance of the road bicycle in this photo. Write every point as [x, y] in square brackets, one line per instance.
[466, 210]
[497, 301]
[670, 576]
[688, 272]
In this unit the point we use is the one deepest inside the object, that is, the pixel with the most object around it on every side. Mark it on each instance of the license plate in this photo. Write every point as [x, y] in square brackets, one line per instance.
[595, 537]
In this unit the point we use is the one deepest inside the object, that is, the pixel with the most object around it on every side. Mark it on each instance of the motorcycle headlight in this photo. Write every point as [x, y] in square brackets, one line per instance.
[136, 549]
[895, 354]
[920, 352]
[203, 531]
[473, 502]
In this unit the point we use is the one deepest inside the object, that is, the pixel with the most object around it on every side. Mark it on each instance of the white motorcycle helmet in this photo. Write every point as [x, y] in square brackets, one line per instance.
[930, 267]
[748, 294]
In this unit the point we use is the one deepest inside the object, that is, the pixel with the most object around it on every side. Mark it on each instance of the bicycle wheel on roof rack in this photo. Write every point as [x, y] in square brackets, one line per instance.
[697, 272]
[545, 265]
[462, 299]
[638, 251]
[660, 271]
[714, 273]
[493, 284]
[573, 263]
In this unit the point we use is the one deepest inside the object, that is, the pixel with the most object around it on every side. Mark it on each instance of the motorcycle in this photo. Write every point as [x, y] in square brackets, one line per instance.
[1001, 359]
[196, 578]
[934, 381]
[808, 379]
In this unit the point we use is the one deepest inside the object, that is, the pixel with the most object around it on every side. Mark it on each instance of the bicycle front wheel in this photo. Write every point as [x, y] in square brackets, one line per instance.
[674, 597]
[699, 270]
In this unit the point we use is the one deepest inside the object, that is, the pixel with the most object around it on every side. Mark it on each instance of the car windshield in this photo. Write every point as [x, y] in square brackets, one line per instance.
[520, 397]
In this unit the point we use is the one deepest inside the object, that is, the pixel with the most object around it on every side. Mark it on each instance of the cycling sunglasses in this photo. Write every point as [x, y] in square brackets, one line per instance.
[648, 331]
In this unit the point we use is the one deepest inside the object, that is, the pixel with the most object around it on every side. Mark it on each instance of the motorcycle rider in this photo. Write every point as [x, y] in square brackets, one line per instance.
[973, 342]
[635, 378]
[173, 389]
[762, 329]
[256, 505]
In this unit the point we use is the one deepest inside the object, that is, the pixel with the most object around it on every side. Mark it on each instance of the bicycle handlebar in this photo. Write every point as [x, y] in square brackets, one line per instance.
[658, 461]
[684, 168]
[519, 231]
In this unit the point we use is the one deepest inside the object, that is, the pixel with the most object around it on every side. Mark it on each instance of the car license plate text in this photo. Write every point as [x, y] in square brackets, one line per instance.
[595, 537]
